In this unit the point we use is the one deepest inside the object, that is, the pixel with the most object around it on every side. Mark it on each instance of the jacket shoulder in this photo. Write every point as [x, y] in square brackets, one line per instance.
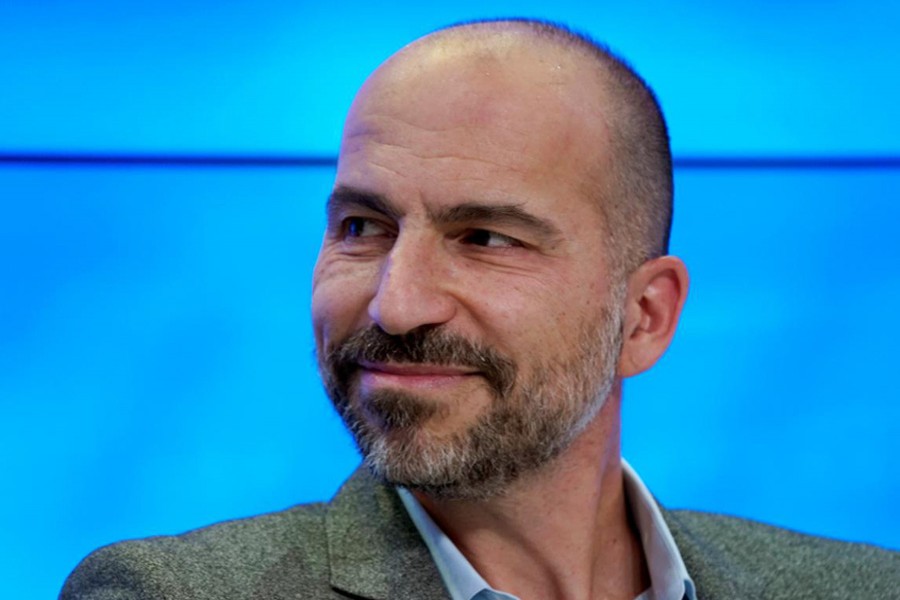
[274, 555]
[735, 555]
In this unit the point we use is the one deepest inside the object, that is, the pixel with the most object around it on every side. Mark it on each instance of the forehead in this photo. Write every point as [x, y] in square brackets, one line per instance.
[485, 116]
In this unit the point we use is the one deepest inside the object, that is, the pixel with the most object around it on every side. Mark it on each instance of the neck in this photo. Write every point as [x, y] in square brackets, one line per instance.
[562, 532]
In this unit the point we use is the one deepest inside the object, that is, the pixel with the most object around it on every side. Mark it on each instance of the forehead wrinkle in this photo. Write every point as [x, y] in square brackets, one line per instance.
[435, 140]
[423, 141]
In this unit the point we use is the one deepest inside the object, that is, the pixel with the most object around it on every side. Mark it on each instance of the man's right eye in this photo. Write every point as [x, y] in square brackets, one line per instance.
[357, 227]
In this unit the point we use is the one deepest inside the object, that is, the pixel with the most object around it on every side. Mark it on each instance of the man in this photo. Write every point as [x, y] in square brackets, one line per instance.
[495, 264]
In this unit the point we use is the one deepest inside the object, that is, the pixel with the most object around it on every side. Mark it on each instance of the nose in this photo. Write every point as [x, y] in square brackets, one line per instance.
[413, 289]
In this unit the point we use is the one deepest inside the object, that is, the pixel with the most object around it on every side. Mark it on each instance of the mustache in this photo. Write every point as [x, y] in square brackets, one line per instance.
[425, 346]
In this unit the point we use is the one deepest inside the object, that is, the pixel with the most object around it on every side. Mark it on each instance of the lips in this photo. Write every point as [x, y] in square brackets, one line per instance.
[415, 375]
[416, 369]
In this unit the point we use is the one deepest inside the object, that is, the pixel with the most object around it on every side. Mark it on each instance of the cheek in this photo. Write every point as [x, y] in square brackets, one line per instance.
[522, 320]
[340, 301]
[534, 322]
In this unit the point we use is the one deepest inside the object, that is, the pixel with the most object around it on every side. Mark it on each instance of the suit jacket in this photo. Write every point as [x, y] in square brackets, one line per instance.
[363, 545]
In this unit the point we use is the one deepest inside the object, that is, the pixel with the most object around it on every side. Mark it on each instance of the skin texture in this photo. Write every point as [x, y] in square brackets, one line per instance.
[460, 207]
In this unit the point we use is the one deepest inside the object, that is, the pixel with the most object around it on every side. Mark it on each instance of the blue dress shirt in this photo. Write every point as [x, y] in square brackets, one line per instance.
[669, 579]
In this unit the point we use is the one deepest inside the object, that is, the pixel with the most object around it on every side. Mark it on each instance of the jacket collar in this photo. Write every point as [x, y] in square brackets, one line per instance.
[374, 549]
[704, 547]
[376, 552]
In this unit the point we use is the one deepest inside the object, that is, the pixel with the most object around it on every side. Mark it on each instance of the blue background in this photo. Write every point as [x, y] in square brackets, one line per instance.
[156, 369]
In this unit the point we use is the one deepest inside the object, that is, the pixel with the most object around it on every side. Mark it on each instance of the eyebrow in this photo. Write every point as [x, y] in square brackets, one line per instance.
[343, 196]
[467, 212]
[495, 214]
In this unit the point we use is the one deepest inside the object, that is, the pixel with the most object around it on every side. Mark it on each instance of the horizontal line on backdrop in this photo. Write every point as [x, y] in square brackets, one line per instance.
[168, 160]
[250, 160]
[787, 162]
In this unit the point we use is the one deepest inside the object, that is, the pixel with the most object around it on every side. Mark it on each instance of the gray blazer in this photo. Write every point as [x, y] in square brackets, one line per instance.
[362, 544]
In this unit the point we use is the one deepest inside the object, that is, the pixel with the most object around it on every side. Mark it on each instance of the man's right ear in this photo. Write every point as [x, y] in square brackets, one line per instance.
[655, 295]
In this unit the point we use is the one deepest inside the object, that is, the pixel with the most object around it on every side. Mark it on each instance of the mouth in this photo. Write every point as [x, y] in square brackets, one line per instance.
[413, 375]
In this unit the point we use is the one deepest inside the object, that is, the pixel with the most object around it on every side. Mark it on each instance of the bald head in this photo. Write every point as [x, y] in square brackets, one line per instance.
[482, 208]
[583, 111]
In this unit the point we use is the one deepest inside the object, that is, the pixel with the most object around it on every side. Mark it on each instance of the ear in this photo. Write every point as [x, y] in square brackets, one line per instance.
[656, 293]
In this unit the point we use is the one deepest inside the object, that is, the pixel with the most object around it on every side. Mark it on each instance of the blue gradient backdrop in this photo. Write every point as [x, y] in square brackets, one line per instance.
[156, 369]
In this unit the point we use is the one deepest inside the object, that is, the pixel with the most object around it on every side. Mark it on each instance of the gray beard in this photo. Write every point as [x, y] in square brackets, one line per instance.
[527, 425]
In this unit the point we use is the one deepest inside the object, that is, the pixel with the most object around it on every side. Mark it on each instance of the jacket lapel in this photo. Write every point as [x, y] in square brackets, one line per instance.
[374, 548]
[716, 576]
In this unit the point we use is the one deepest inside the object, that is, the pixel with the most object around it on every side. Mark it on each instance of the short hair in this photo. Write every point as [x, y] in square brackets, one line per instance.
[636, 198]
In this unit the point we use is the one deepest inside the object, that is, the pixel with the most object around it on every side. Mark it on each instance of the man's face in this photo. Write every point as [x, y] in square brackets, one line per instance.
[465, 321]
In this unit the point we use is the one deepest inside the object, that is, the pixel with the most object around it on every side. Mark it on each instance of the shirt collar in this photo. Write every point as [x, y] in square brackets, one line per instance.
[462, 580]
[669, 579]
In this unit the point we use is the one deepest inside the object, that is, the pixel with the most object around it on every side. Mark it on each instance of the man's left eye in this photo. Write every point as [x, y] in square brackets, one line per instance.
[489, 239]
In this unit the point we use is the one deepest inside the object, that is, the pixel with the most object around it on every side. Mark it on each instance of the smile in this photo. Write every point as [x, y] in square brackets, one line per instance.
[413, 375]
